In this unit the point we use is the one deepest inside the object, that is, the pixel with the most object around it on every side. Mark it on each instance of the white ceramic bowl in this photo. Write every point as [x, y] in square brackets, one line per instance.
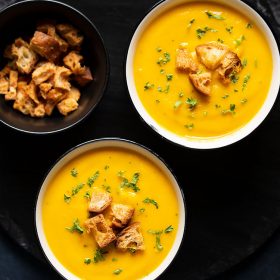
[213, 142]
[90, 146]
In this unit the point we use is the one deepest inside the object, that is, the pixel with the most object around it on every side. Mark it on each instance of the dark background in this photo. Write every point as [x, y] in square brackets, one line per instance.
[233, 209]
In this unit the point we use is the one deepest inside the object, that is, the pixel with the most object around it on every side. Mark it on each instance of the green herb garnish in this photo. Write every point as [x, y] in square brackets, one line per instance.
[165, 59]
[67, 198]
[74, 172]
[177, 104]
[229, 29]
[161, 71]
[107, 188]
[106, 167]
[151, 201]
[148, 86]
[245, 81]
[93, 178]
[169, 77]
[244, 100]
[166, 90]
[181, 94]
[87, 260]
[220, 40]
[117, 271]
[87, 195]
[201, 32]
[189, 126]
[225, 96]
[99, 255]
[191, 22]
[132, 184]
[76, 227]
[168, 229]
[217, 16]
[238, 41]
[158, 49]
[142, 210]
[233, 77]
[230, 110]
[76, 189]
[191, 102]
[244, 63]
[249, 25]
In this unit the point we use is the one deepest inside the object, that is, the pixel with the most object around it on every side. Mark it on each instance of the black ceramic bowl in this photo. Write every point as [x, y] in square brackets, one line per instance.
[20, 20]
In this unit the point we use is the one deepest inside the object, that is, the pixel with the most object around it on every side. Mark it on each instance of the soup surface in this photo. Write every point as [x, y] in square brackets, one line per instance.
[169, 96]
[65, 201]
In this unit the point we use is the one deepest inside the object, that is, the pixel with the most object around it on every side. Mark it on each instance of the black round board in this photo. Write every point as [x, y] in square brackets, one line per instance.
[232, 194]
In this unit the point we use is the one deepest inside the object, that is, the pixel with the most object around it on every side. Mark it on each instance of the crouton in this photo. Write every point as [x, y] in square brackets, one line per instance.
[121, 214]
[67, 106]
[231, 64]
[44, 89]
[25, 57]
[70, 34]
[131, 238]
[102, 233]
[39, 111]
[49, 106]
[211, 54]
[13, 81]
[84, 78]
[49, 29]
[31, 91]
[99, 202]
[73, 61]
[4, 85]
[185, 62]
[45, 45]
[43, 72]
[53, 97]
[6, 70]
[61, 78]
[202, 82]
[24, 103]
[74, 93]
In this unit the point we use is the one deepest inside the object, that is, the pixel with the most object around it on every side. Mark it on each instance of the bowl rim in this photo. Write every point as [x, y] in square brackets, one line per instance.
[199, 143]
[142, 147]
[107, 65]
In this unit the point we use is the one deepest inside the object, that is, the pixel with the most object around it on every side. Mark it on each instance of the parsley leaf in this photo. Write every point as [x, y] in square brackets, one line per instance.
[229, 29]
[151, 201]
[245, 81]
[191, 22]
[201, 32]
[76, 189]
[168, 229]
[99, 255]
[93, 178]
[189, 126]
[191, 102]
[132, 184]
[217, 16]
[74, 172]
[165, 59]
[67, 198]
[169, 77]
[249, 25]
[117, 271]
[148, 86]
[177, 104]
[87, 260]
[87, 195]
[76, 227]
[238, 41]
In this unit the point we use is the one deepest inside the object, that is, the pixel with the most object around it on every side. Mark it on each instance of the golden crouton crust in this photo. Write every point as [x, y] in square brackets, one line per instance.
[61, 78]
[4, 85]
[67, 106]
[102, 233]
[45, 45]
[12, 94]
[73, 61]
[43, 72]
[131, 238]
[70, 34]
[202, 82]
[84, 78]
[211, 54]
[121, 214]
[99, 201]
[185, 62]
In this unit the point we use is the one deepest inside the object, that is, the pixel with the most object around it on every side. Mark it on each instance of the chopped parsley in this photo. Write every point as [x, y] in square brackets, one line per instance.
[161, 71]
[244, 100]
[191, 102]
[217, 16]
[230, 110]
[99, 255]
[151, 201]
[87, 260]
[166, 90]
[87, 195]
[67, 198]
[148, 86]
[229, 29]
[169, 77]
[93, 178]
[217, 106]
[177, 104]
[114, 259]
[244, 63]
[142, 210]
[191, 22]
[107, 188]
[169, 229]
[220, 40]
[181, 94]
[157, 101]
[117, 271]
[233, 77]
[225, 96]
[239, 40]
[132, 250]
[76, 227]
[158, 49]
[132, 184]
[74, 172]
[201, 32]
[189, 126]
[165, 59]
[157, 233]
[106, 167]
[76, 189]
[245, 81]
[249, 25]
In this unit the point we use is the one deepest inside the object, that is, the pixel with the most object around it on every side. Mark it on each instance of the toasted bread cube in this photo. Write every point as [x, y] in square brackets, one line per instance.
[202, 82]
[131, 238]
[84, 78]
[102, 233]
[61, 78]
[121, 214]
[25, 57]
[44, 89]
[39, 111]
[49, 107]
[4, 85]
[230, 64]
[43, 72]
[45, 45]
[73, 62]
[185, 62]
[24, 103]
[74, 93]
[13, 81]
[67, 106]
[6, 70]
[70, 34]
[211, 54]
[31, 91]
[53, 97]
[99, 202]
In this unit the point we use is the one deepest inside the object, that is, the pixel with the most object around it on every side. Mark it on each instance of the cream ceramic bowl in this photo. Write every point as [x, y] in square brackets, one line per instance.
[90, 146]
[215, 142]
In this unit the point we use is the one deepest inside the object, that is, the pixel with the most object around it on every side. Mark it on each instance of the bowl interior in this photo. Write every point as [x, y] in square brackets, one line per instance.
[209, 142]
[20, 20]
[89, 146]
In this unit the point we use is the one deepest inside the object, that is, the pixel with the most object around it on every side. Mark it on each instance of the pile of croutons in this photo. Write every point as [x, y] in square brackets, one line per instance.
[116, 227]
[40, 74]
[215, 57]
